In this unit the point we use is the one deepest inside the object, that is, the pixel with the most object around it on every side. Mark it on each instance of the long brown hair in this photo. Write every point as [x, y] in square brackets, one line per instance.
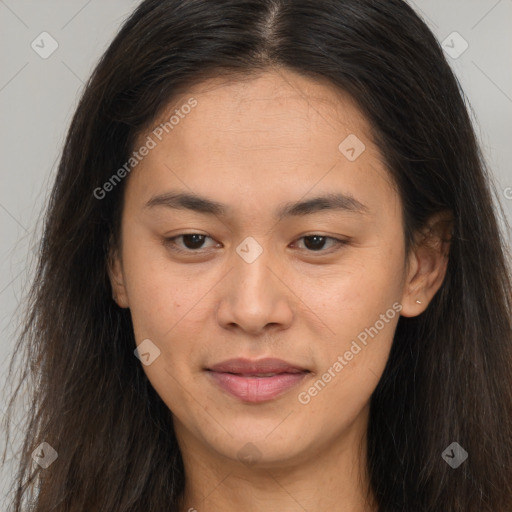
[449, 375]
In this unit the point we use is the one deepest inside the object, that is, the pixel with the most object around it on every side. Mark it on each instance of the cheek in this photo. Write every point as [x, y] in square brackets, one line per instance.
[353, 294]
[171, 311]
[360, 308]
[352, 360]
[161, 297]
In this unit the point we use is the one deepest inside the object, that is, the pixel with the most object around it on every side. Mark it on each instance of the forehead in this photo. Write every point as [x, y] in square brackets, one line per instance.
[276, 128]
[266, 103]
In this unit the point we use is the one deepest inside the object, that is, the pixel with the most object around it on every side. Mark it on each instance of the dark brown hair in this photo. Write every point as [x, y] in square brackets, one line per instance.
[449, 374]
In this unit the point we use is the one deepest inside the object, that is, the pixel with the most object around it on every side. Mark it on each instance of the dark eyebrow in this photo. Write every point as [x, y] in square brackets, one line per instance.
[332, 201]
[188, 201]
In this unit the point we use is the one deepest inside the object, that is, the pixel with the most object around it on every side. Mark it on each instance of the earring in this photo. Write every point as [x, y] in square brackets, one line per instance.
[418, 301]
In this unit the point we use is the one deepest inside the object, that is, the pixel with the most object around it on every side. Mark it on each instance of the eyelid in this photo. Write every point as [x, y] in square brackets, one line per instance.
[337, 243]
[169, 243]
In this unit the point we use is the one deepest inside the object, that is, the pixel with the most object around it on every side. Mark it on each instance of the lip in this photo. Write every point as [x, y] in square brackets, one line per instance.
[253, 366]
[239, 377]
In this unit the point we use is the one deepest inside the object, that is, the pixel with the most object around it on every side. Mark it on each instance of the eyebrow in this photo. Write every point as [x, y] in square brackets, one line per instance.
[196, 203]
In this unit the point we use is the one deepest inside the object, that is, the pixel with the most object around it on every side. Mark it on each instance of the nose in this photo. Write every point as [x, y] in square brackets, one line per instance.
[254, 297]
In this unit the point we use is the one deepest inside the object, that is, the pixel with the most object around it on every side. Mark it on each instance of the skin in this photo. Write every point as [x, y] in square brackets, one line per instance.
[254, 145]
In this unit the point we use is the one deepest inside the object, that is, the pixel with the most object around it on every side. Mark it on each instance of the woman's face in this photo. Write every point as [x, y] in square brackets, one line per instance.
[242, 166]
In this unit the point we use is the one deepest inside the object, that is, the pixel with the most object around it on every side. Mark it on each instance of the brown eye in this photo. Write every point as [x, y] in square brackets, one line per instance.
[316, 243]
[193, 241]
[190, 242]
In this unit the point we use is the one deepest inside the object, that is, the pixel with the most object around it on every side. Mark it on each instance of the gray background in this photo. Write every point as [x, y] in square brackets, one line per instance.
[38, 97]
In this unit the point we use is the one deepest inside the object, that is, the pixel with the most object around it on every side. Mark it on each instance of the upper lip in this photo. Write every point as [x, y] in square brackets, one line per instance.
[248, 366]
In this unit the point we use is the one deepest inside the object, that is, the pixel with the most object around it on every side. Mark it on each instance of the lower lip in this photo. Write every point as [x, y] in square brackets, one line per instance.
[257, 389]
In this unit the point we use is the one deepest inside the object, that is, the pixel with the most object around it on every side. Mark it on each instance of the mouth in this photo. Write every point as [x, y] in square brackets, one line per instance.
[258, 380]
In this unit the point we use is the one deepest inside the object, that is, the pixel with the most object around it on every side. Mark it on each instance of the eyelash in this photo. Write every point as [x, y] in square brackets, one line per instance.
[170, 244]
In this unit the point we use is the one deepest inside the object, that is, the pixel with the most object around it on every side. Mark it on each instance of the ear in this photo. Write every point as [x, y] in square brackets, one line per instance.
[116, 276]
[427, 263]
